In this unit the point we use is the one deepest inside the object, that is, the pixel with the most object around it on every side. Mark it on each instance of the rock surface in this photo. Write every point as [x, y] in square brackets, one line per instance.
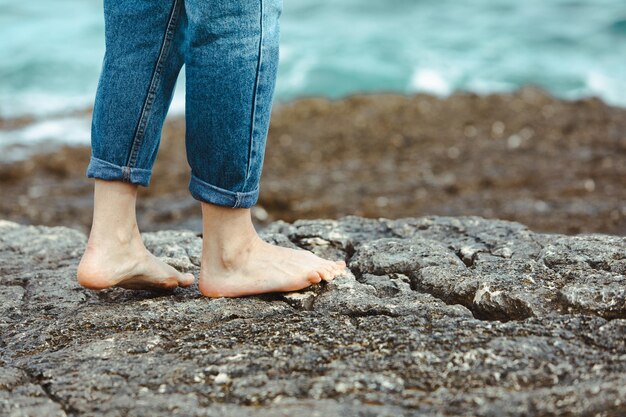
[437, 316]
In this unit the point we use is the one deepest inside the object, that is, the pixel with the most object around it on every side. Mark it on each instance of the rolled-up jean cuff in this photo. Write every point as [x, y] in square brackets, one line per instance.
[207, 193]
[108, 171]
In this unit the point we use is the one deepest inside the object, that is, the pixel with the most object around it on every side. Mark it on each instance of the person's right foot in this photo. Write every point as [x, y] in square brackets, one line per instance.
[129, 266]
[258, 267]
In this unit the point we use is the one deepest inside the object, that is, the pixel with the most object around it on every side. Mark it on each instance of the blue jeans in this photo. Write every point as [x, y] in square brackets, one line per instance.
[230, 51]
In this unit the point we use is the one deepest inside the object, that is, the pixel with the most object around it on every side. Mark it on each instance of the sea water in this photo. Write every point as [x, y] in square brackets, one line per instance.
[51, 51]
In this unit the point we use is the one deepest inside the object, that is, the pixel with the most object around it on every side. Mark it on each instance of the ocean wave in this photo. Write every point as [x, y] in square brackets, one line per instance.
[430, 81]
[50, 126]
[330, 49]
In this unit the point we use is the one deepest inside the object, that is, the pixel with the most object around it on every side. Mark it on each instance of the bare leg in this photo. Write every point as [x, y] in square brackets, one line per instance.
[115, 255]
[237, 262]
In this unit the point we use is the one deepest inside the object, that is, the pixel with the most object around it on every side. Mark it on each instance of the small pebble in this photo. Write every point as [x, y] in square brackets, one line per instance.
[222, 378]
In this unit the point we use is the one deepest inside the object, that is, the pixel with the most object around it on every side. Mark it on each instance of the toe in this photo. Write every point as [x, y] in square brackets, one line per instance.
[332, 271]
[186, 280]
[335, 267]
[325, 273]
[340, 266]
[314, 277]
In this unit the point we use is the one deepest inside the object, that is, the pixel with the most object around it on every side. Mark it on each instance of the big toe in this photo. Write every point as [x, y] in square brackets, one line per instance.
[333, 271]
[326, 273]
[340, 266]
[185, 280]
[314, 277]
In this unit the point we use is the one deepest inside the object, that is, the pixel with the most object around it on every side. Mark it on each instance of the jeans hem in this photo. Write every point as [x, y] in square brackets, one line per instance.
[207, 193]
[104, 170]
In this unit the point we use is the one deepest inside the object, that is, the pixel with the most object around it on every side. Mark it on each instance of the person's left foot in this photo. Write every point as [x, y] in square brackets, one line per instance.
[258, 267]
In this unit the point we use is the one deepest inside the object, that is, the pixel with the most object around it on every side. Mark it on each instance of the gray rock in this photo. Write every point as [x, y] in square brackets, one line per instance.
[435, 316]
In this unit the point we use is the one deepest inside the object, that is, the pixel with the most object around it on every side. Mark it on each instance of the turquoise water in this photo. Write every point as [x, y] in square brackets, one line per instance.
[51, 51]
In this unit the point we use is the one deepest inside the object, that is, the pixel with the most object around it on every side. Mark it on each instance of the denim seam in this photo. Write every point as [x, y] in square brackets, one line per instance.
[154, 85]
[254, 97]
[238, 196]
[112, 165]
[115, 172]
[223, 190]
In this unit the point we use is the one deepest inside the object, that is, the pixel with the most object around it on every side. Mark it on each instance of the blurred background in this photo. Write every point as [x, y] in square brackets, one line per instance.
[495, 108]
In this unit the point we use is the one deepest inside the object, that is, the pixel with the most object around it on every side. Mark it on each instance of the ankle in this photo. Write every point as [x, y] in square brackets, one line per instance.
[230, 252]
[115, 237]
[114, 219]
[229, 235]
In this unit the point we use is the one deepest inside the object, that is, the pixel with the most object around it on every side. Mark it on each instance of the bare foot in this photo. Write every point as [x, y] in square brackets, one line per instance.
[258, 267]
[129, 266]
[115, 254]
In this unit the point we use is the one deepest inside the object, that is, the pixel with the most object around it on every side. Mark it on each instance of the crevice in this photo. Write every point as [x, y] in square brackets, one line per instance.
[566, 308]
[469, 262]
[3, 345]
[371, 313]
[308, 305]
[532, 256]
[418, 286]
[561, 303]
[481, 314]
[348, 249]
[279, 297]
[598, 265]
[46, 388]
[531, 236]
[413, 282]
[358, 274]
[542, 261]
[67, 409]
[515, 309]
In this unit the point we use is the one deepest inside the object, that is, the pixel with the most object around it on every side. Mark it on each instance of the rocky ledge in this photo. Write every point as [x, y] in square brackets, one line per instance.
[437, 316]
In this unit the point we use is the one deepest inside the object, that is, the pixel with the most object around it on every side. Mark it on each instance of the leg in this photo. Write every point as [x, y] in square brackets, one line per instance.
[142, 61]
[115, 254]
[231, 62]
[141, 64]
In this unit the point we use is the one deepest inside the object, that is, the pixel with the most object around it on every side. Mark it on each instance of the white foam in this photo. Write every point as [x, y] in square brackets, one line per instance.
[609, 88]
[295, 79]
[70, 130]
[41, 104]
[62, 130]
[428, 80]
